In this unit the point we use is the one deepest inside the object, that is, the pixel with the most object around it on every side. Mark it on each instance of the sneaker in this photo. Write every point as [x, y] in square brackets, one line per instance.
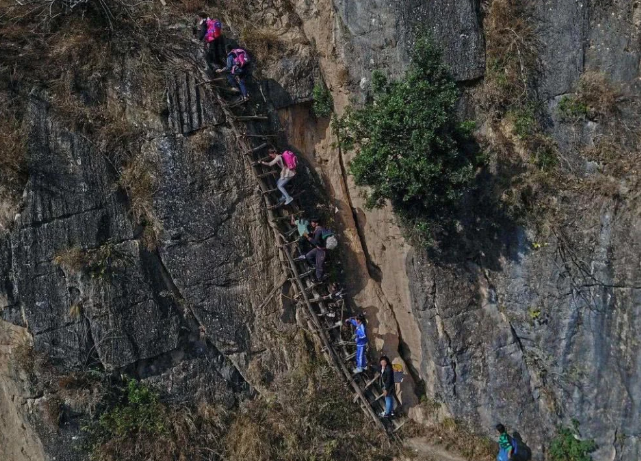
[382, 414]
[281, 200]
[358, 370]
[300, 258]
[289, 200]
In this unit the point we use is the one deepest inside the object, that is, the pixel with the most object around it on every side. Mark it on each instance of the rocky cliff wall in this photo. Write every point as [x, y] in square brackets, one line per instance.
[531, 326]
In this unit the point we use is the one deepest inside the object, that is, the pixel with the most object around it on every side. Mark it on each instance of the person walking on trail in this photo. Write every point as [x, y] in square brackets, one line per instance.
[237, 66]
[506, 444]
[387, 384]
[316, 257]
[210, 31]
[361, 341]
[286, 173]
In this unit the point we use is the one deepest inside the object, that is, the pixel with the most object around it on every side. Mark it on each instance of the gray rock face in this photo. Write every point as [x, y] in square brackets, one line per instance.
[166, 316]
[546, 339]
[378, 34]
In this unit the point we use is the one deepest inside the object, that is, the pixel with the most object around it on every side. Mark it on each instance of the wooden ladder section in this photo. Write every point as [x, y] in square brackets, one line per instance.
[323, 310]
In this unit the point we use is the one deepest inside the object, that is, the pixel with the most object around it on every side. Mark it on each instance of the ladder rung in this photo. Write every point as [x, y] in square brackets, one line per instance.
[399, 425]
[289, 216]
[256, 149]
[369, 383]
[269, 173]
[251, 117]
[270, 191]
[349, 357]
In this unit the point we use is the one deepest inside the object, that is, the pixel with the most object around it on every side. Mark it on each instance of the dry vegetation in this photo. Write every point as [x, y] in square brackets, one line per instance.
[512, 57]
[309, 418]
[101, 262]
[452, 435]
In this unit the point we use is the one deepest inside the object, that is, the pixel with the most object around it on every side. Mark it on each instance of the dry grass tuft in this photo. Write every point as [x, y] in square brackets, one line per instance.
[101, 262]
[512, 57]
[262, 42]
[598, 93]
[13, 152]
[139, 179]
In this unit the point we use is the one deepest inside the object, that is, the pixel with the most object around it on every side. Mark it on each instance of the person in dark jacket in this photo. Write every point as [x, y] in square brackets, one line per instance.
[316, 257]
[210, 32]
[235, 73]
[387, 384]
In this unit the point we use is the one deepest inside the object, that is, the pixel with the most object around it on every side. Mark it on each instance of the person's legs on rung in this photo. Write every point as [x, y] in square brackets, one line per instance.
[320, 260]
[209, 55]
[280, 184]
[311, 256]
[361, 361]
[219, 51]
[240, 78]
[389, 404]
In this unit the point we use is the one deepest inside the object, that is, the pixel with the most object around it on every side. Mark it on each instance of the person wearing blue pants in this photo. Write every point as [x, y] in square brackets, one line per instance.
[237, 70]
[361, 341]
[388, 386]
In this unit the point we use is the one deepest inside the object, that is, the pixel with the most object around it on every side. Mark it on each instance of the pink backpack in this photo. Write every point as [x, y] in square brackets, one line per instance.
[290, 160]
[241, 57]
[214, 29]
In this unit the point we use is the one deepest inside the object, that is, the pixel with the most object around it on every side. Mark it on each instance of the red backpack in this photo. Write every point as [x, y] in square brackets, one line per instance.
[214, 30]
[290, 159]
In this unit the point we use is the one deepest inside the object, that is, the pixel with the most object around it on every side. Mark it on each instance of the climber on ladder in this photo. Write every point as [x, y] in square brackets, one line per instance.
[322, 240]
[211, 33]
[361, 342]
[287, 163]
[237, 66]
[388, 386]
[302, 228]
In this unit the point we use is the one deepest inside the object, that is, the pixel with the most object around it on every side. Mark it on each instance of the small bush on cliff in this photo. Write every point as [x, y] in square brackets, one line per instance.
[410, 149]
[567, 446]
[323, 101]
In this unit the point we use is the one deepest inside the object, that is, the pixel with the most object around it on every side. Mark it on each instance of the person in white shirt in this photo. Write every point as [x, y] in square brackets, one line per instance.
[285, 174]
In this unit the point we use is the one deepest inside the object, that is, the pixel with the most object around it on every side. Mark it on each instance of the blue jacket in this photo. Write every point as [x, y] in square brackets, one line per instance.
[361, 336]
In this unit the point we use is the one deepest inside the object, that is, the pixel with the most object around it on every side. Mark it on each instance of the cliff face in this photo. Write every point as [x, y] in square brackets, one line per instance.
[532, 325]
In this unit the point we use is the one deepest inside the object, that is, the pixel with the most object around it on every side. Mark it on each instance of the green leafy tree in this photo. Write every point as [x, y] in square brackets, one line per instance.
[409, 145]
[567, 446]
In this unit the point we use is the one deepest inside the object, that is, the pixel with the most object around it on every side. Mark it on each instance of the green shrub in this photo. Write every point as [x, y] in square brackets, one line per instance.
[323, 101]
[572, 108]
[567, 446]
[525, 121]
[409, 144]
[140, 412]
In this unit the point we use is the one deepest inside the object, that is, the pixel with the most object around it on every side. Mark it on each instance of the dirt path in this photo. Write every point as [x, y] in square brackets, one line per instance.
[429, 452]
